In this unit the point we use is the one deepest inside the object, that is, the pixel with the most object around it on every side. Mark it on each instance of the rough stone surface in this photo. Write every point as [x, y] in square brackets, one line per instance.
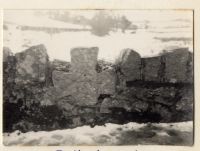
[81, 80]
[50, 96]
[62, 79]
[129, 62]
[115, 102]
[31, 64]
[6, 53]
[176, 65]
[190, 66]
[66, 104]
[104, 108]
[163, 112]
[9, 69]
[151, 68]
[104, 65]
[84, 61]
[106, 81]
[139, 106]
[77, 121]
[186, 101]
[163, 95]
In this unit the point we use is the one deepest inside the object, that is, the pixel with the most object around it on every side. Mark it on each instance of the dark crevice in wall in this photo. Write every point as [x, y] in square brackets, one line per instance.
[154, 84]
[142, 74]
[161, 71]
[121, 116]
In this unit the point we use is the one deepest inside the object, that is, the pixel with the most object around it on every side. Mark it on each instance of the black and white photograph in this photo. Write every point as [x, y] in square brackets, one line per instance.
[98, 77]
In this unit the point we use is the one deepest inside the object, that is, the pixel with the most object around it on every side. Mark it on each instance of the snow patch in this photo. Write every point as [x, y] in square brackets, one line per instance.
[110, 134]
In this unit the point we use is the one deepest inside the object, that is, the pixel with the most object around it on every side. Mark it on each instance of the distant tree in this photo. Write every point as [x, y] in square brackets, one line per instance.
[124, 23]
[101, 23]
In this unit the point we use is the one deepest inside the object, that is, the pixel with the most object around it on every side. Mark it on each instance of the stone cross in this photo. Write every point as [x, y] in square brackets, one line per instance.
[83, 82]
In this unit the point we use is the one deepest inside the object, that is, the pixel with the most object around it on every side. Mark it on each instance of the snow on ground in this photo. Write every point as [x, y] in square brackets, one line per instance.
[59, 45]
[27, 18]
[110, 134]
[163, 32]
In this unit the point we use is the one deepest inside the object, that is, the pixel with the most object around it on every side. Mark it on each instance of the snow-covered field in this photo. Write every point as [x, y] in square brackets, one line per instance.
[163, 32]
[110, 134]
[59, 45]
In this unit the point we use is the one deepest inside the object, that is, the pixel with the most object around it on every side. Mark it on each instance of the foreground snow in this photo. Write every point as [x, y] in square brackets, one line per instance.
[110, 134]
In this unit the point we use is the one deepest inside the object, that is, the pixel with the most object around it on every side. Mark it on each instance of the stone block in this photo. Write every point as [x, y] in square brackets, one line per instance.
[32, 65]
[176, 65]
[151, 68]
[106, 81]
[129, 62]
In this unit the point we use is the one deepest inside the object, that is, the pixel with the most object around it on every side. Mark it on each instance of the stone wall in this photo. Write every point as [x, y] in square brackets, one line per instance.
[90, 91]
[173, 67]
[160, 86]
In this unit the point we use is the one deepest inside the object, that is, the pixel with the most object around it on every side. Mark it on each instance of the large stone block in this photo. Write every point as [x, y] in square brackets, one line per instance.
[81, 81]
[62, 79]
[176, 65]
[129, 62]
[84, 60]
[106, 81]
[86, 93]
[69, 84]
[32, 64]
[151, 68]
